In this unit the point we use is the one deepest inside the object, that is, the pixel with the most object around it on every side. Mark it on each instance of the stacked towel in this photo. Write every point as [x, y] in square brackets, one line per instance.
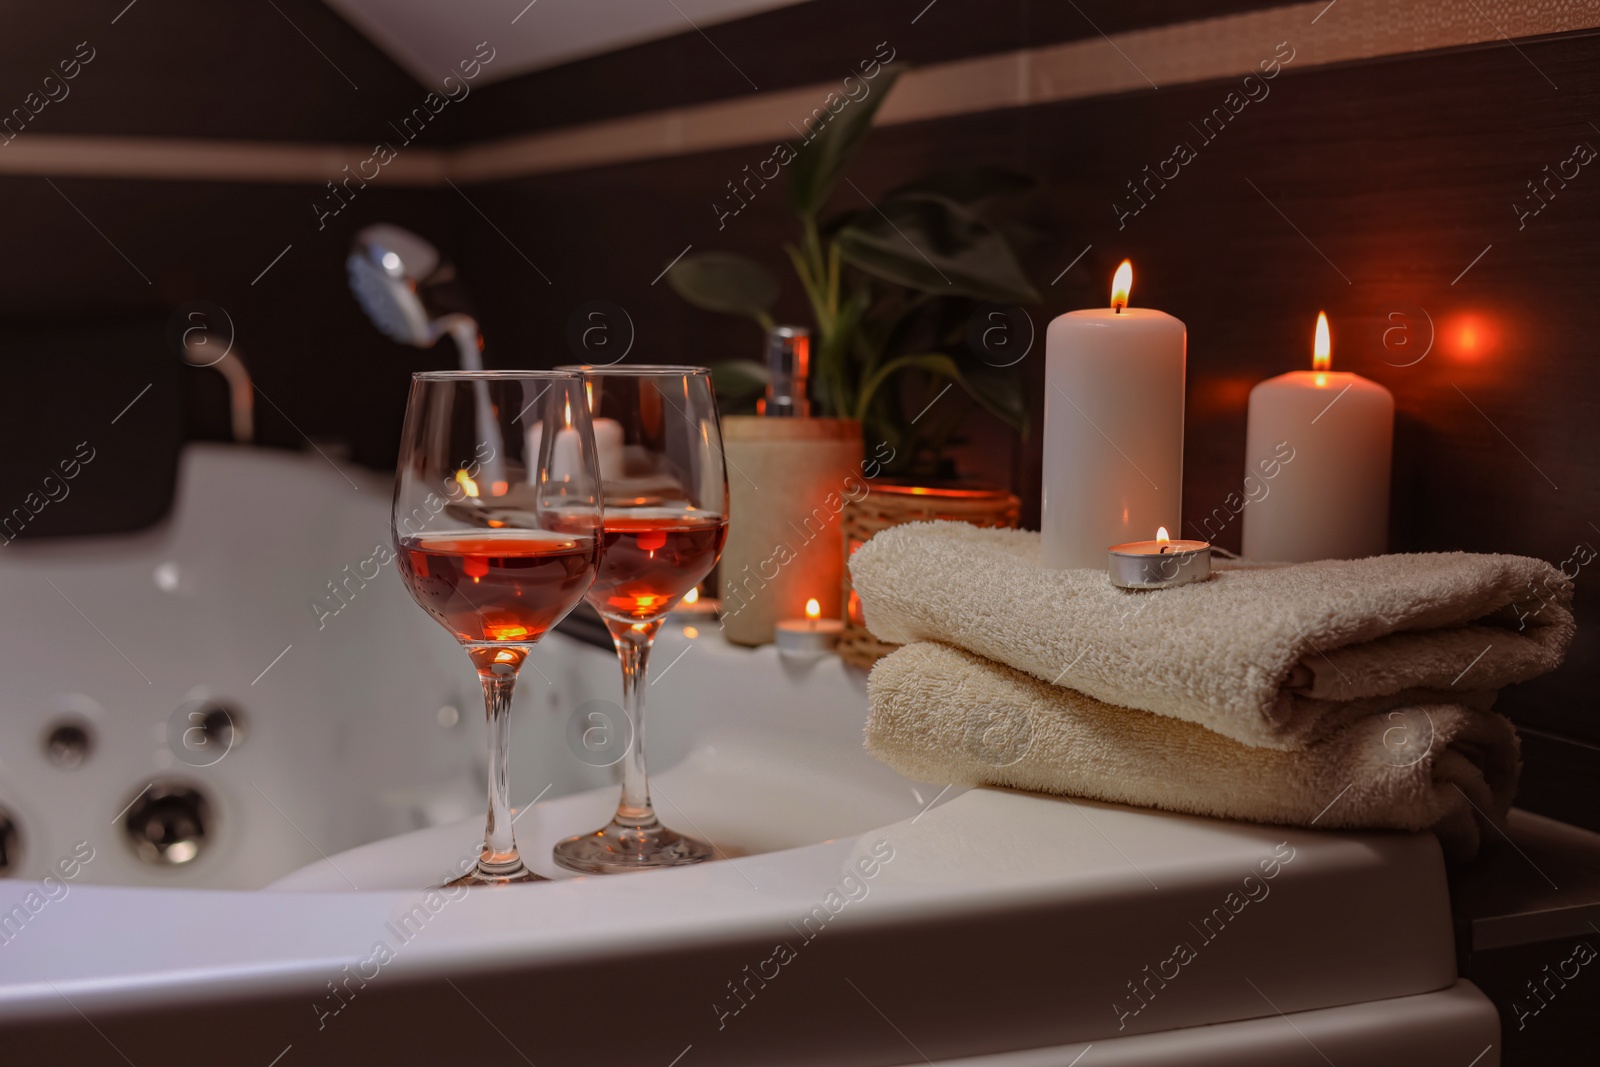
[1348, 693]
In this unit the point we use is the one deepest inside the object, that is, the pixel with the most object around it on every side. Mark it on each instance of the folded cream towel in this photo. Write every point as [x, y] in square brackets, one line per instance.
[1272, 656]
[945, 715]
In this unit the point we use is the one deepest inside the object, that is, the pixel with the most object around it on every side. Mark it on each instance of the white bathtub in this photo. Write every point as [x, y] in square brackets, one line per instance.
[360, 717]
[341, 741]
[1002, 923]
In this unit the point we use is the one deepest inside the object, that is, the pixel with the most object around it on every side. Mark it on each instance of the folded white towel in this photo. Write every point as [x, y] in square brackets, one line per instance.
[941, 714]
[1271, 656]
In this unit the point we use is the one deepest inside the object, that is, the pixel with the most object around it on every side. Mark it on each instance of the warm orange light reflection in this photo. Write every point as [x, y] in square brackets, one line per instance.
[1122, 285]
[1322, 348]
[505, 632]
[1469, 337]
[813, 609]
[588, 391]
[692, 596]
[468, 486]
[1161, 535]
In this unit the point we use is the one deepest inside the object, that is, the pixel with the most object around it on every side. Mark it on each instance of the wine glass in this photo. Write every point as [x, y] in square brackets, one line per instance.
[666, 517]
[496, 527]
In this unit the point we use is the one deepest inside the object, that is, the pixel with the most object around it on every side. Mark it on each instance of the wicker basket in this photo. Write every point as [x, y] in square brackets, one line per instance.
[892, 503]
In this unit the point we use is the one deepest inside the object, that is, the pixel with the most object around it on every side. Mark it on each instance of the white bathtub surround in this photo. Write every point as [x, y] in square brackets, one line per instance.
[1271, 656]
[968, 884]
[942, 713]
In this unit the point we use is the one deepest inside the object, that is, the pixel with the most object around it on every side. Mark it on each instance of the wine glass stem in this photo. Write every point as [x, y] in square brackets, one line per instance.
[633, 643]
[499, 854]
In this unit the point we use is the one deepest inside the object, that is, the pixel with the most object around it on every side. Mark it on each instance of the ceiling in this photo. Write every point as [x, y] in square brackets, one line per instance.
[429, 38]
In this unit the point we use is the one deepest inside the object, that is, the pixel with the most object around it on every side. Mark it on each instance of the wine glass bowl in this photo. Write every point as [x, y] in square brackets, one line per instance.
[659, 444]
[654, 556]
[497, 534]
[500, 586]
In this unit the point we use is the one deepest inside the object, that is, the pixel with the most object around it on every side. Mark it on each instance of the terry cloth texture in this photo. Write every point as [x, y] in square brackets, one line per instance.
[1277, 657]
[942, 714]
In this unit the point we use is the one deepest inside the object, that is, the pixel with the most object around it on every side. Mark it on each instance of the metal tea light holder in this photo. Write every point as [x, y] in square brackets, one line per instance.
[1159, 564]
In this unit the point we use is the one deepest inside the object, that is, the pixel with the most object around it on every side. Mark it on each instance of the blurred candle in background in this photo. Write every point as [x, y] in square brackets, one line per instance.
[608, 441]
[1320, 441]
[1113, 428]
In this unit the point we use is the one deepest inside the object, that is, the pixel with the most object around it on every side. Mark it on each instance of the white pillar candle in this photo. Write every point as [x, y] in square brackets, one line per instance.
[564, 450]
[608, 448]
[1113, 428]
[1320, 441]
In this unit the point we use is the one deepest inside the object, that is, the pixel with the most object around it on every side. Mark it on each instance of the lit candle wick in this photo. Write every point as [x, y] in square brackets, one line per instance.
[1322, 345]
[1121, 286]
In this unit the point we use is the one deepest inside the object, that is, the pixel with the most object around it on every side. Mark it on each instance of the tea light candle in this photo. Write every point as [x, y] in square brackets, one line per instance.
[812, 635]
[1159, 564]
[1113, 427]
[693, 603]
[1324, 439]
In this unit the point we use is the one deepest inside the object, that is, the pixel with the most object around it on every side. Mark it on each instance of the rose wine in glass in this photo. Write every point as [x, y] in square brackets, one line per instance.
[666, 518]
[497, 532]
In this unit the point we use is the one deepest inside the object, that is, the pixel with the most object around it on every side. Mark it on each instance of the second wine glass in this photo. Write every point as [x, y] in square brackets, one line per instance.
[666, 516]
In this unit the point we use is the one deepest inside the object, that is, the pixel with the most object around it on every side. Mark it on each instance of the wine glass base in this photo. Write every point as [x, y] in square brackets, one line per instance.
[616, 848]
[481, 875]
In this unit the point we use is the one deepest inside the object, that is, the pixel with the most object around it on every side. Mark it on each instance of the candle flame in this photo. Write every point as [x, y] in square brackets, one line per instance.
[1122, 285]
[468, 486]
[813, 609]
[1322, 349]
[1161, 535]
[568, 413]
[692, 596]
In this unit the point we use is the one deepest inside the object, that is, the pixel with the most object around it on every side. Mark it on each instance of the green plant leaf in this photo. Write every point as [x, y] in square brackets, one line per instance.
[973, 187]
[998, 392]
[726, 282]
[933, 362]
[738, 382]
[935, 245]
[821, 160]
[738, 377]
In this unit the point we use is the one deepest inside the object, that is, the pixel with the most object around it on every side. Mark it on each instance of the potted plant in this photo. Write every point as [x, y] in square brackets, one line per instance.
[892, 286]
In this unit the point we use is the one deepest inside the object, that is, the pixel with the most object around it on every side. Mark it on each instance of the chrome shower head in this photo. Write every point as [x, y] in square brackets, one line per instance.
[387, 266]
[391, 272]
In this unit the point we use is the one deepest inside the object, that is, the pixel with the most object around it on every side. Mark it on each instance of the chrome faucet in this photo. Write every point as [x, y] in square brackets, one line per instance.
[199, 346]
